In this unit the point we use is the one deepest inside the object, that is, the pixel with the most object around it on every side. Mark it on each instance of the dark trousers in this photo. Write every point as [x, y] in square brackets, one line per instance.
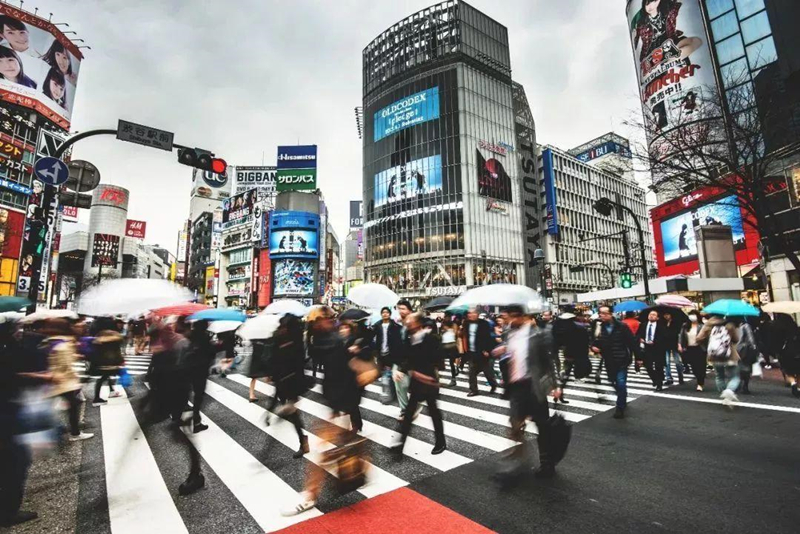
[418, 392]
[654, 365]
[597, 377]
[504, 372]
[73, 410]
[618, 376]
[524, 405]
[695, 357]
[480, 364]
[104, 376]
[199, 388]
[14, 464]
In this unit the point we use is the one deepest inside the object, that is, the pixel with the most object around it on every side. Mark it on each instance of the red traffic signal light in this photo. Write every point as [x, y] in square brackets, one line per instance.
[218, 166]
[202, 159]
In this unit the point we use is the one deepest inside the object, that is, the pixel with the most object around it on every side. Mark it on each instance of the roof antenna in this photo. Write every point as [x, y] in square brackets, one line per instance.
[51, 18]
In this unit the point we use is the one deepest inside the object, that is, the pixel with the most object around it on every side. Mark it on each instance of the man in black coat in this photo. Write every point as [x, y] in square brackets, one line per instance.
[478, 342]
[616, 344]
[653, 337]
[387, 343]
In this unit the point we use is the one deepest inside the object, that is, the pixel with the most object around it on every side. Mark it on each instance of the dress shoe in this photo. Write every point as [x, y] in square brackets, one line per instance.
[199, 427]
[659, 388]
[795, 391]
[452, 383]
[545, 471]
[473, 394]
[619, 413]
[302, 451]
[668, 382]
[494, 388]
[439, 449]
[192, 484]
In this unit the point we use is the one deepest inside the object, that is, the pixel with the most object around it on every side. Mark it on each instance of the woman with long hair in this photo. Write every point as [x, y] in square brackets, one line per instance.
[657, 22]
[11, 68]
[58, 58]
[55, 87]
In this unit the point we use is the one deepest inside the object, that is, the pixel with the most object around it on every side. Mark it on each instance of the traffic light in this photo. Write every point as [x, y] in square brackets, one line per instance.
[625, 281]
[603, 206]
[201, 159]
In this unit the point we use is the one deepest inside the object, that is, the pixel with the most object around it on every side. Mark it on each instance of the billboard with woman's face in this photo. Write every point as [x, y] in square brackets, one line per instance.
[673, 61]
[38, 65]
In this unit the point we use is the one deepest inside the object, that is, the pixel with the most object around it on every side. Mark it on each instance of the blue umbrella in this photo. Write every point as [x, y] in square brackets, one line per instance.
[218, 314]
[630, 306]
[731, 308]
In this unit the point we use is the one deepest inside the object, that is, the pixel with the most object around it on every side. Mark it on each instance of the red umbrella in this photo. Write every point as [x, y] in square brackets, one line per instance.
[180, 309]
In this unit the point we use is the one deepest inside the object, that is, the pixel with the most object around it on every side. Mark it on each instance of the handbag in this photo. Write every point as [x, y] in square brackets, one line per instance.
[366, 371]
[125, 379]
[558, 438]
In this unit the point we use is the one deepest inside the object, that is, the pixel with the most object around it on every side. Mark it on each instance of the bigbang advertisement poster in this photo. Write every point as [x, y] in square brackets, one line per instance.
[410, 111]
[673, 61]
[293, 277]
[293, 243]
[412, 180]
[678, 233]
[38, 65]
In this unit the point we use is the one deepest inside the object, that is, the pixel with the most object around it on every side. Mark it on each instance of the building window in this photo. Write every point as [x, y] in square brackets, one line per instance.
[756, 28]
[745, 8]
[718, 7]
[730, 49]
[724, 26]
[735, 73]
[762, 53]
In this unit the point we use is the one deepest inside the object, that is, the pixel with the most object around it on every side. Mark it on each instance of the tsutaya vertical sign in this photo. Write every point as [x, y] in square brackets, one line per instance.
[297, 168]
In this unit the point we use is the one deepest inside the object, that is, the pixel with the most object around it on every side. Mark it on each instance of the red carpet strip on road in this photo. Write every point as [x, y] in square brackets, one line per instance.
[398, 512]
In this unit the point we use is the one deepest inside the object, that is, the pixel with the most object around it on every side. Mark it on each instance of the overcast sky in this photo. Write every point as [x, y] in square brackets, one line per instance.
[241, 77]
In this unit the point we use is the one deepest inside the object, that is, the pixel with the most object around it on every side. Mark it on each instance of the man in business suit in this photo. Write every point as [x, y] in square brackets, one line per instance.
[387, 342]
[652, 337]
[476, 338]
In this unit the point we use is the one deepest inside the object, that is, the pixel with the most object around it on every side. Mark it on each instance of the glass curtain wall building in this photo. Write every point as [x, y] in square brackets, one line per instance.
[440, 181]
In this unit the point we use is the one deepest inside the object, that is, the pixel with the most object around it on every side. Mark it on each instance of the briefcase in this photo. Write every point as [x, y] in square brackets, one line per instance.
[559, 438]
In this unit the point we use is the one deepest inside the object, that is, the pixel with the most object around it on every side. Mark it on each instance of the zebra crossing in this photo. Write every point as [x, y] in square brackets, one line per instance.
[136, 364]
[248, 463]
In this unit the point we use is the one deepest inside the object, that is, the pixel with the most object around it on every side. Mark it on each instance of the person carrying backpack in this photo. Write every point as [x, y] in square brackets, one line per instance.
[722, 336]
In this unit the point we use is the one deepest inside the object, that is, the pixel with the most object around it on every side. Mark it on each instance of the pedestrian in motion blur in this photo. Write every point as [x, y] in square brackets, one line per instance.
[532, 377]
[200, 356]
[106, 356]
[449, 337]
[387, 343]
[288, 374]
[399, 374]
[722, 336]
[617, 346]
[424, 361]
[786, 334]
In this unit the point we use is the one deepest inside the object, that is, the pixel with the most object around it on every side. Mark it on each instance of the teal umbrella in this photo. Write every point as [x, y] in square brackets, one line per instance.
[13, 303]
[731, 308]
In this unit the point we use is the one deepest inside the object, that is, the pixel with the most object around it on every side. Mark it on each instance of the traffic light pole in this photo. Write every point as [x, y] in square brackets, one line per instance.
[91, 133]
[603, 206]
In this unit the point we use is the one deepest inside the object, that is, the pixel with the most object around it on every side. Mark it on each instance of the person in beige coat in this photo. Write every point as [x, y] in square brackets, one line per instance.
[721, 336]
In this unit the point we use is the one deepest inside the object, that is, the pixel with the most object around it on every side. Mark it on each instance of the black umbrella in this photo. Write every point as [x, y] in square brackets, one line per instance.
[677, 313]
[439, 303]
[354, 314]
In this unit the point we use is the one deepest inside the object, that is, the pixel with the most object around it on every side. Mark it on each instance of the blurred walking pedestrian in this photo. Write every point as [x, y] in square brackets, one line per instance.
[387, 342]
[449, 337]
[672, 330]
[200, 355]
[287, 369]
[106, 357]
[632, 322]
[722, 336]
[748, 354]
[571, 334]
[693, 353]
[787, 336]
[617, 346]
[399, 372]
[476, 335]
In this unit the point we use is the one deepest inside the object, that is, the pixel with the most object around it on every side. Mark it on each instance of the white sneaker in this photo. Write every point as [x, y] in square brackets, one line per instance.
[728, 397]
[306, 503]
[114, 394]
[699, 388]
[80, 437]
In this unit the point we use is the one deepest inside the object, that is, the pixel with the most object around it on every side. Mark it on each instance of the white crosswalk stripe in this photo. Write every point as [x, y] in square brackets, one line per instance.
[475, 427]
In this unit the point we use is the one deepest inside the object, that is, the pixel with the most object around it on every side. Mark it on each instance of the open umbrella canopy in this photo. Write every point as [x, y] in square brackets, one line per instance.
[630, 306]
[10, 317]
[501, 295]
[131, 295]
[731, 308]
[259, 327]
[786, 306]
[354, 314]
[676, 313]
[676, 301]
[439, 303]
[11, 304]
[223, 326]
[218, 314]
[282, 307]
[44, 314]
[373, 296]
[186, 308]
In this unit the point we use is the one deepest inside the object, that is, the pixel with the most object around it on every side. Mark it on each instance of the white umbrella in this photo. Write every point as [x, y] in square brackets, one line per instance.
[282, 307]
[501, 295]
[44, 314]
[131, 295]
[259, 327]
[373, 296]
[10, 317]
[676, 301]
[217, 327]
[785, 306]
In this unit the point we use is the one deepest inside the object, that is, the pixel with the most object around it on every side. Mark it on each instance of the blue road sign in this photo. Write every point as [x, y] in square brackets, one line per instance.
[51, 171]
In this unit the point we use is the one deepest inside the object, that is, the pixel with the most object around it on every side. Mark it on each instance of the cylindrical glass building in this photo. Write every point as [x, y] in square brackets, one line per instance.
[440, 182]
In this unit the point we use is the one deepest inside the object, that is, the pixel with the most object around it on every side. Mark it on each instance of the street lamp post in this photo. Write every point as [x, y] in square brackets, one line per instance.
[538, 257]
[604, 206]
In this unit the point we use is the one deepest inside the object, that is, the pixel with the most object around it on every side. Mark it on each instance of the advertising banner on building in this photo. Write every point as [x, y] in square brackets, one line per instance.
[12, 224]
[550, 195]
[294, 278]
[296, 179]
[69, 213]
[238, 238]
[297, 157]
[264, 279]
[673, 62]
[105, 250]
[493, 180]
[39, 226]
[415, 179]
[238, 209]
[42, 65]
[356, 214]
[261, 178]
[410, 111]
[135, 229]
[609, 147]
[294, 234]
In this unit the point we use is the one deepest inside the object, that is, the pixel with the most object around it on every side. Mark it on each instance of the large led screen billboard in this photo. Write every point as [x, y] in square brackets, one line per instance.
[410, 111]
[38, 65]
[293, 243]
[414, 179]
[678, 232]
[293, 277]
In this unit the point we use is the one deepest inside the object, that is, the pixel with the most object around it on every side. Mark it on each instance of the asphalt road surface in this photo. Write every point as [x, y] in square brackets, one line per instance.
[678, 462]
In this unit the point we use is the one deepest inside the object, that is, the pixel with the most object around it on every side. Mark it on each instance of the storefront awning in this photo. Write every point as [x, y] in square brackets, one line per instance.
[660, 286]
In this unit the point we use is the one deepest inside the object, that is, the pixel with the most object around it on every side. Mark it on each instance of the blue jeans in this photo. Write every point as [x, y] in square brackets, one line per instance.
[727, 377]
[401, 388]
[673, 354]
[618, 376]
